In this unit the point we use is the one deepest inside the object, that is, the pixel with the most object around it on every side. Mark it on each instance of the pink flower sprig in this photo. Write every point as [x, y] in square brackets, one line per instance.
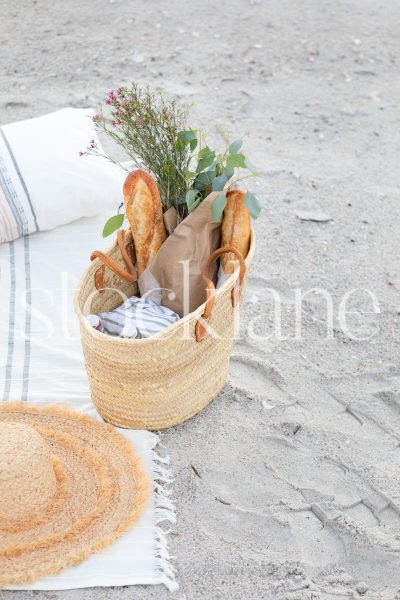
[91, 149]
[146, 125]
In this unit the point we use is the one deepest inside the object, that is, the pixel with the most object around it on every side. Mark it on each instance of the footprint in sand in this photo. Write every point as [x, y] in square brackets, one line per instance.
[265, 383]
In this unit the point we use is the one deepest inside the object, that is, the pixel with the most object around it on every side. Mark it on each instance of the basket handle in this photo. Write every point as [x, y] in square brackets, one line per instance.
[129, 275]
[201, 323]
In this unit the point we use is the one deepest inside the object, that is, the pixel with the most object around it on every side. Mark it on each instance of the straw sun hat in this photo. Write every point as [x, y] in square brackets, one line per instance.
[69, 486]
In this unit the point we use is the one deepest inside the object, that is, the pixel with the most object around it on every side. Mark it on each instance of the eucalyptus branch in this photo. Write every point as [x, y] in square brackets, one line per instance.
[153, 132]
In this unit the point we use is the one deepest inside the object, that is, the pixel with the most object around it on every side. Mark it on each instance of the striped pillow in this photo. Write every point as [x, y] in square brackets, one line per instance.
[44, 182]
[17, 217]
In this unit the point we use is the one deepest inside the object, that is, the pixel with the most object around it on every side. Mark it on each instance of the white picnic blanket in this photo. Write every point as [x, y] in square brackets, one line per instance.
[41, 361]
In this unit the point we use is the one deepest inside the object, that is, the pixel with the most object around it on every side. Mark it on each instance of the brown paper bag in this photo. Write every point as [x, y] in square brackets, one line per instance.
[174, 276]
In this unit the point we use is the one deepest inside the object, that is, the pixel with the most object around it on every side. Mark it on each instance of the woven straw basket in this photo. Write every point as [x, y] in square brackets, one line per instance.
[157, 382]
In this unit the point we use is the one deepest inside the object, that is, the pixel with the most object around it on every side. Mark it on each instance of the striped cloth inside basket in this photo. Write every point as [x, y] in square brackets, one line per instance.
[146, 316]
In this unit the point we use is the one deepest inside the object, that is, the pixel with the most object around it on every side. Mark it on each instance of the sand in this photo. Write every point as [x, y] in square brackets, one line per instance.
[298, 493]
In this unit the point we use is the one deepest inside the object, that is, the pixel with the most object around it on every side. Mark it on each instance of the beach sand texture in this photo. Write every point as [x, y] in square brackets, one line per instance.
[287, 485]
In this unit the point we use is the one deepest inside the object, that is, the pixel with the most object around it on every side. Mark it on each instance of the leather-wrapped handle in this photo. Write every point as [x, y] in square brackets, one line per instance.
[129, 275]
[201, 323]
[124, 252]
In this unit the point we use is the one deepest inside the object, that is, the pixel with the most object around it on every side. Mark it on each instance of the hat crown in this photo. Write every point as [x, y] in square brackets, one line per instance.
[27, 479]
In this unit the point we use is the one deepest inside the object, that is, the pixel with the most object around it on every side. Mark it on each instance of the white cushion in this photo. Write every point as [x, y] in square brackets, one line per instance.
[44, 182]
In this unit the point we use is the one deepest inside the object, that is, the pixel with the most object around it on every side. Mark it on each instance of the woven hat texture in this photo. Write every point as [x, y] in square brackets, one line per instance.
[69, 486]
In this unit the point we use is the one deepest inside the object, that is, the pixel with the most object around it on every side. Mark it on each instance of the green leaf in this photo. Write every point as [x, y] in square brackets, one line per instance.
[218, 206]
[252, 204]
[205, 152]
[218, 183]
[219, 168]
[249, 165]
[204, 180]
[193, 144]
[113, 224]
[186, 136]
[191, 197]
[205, 161]
[235, 147]
[229, 172]
[194, 205]
[235, 160]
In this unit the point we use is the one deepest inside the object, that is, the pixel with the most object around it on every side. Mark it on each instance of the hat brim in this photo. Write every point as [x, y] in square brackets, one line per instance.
[102, 490]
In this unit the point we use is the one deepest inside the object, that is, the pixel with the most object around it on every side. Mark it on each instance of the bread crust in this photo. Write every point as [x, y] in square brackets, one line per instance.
[235, 228]
[144, 212]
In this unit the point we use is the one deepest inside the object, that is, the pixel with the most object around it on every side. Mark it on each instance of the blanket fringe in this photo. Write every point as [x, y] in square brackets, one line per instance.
[164, 511]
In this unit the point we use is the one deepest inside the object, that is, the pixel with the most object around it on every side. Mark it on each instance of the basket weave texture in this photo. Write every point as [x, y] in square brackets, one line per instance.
[161, 381]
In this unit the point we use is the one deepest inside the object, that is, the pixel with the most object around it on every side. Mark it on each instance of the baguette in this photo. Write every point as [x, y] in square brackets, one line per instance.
[235, 229]
[144, 212]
